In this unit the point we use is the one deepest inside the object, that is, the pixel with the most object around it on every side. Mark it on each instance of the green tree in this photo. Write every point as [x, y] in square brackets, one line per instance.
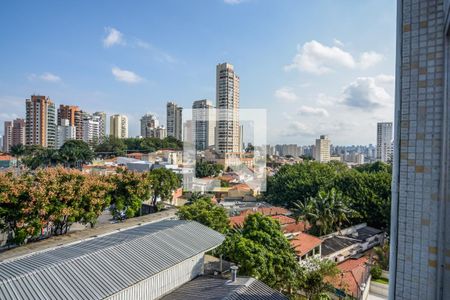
[326, 212]
[206, 169]
[162, 183]
[75, 153]
[130, 190]
[111, 146]
[318, 272]
[262, 251]
[382, 256]
[299, 182]
[207, 213]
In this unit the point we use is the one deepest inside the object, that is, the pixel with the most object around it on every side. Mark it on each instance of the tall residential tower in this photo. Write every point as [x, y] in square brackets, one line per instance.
[384, 141]
[227, 105]
[40, 122]
[118, 126]
[174, 120]
[203, 118]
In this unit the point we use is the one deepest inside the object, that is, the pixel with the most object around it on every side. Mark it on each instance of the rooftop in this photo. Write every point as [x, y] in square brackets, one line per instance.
[102, 266]
[303, 243]
[213, 288]
[336, 243]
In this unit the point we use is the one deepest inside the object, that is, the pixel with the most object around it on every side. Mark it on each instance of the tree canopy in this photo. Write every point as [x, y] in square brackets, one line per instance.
[163, 182]
[206, 169]
[207, 213]
[112, 146]
[261, 250]
[367, 188]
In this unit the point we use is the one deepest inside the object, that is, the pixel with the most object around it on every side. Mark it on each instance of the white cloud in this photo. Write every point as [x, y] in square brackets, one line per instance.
[125, 75]
[46, 76]
[312, 111]
[316, 58]
[296, 128]
[113, 37]
[385, 79]
[366, 94]
[338, 43]
[286, 94]
[369, 59]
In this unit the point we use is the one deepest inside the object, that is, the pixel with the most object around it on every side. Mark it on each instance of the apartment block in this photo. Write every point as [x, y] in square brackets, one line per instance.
[40, 128]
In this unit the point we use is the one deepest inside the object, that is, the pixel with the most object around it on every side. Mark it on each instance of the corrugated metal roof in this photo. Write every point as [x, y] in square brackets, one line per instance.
[214, 288]
[100, 267]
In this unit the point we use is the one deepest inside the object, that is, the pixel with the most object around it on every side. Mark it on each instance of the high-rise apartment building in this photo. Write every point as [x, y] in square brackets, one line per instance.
[204, 123]
[174, 120]
[65, 132]
[40, 126]
[322, 149]
[91, 129]
[227, 105]
[14, 134]
[420, 220]
[384, 141]
[148, 123]
[101, 118]
[7, 136]
[118, 126]
[75, 117]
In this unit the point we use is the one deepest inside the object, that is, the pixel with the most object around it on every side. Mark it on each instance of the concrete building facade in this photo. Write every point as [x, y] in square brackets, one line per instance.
[204, 123]
[118, 126]
[174, 120]
[101, 118]
[40, 126]
[65, 132]
[227, 105]
[74, 115]
[420, 220]
[322, 149]
[384, 141]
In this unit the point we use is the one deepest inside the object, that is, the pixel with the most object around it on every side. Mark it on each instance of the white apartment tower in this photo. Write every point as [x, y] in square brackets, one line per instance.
[174, 120]
[118, 126]
[203, 117]
[65, 132]
[101, 118]
[322, 149]
[227, 105]
[384, 141]
[91, 129]
[7, 136]
[40, 128]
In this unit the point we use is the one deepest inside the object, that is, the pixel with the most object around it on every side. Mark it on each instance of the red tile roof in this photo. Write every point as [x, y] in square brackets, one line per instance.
[267, 211]
[296, 227]
[5, 157]
[352, 275]
[284, 220]
[237, 221]
[303, 243]
[241, 186]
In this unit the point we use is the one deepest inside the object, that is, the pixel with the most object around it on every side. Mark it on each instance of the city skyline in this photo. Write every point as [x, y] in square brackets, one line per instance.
[117, 61]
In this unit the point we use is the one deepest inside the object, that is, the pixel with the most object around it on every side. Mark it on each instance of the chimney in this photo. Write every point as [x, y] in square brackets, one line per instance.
[234, 270]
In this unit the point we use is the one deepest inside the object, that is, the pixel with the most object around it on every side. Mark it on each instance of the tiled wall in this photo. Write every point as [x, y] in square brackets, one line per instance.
[420, 215]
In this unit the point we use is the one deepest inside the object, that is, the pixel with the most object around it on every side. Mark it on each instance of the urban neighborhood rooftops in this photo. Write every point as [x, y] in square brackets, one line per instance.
[303, 243]
[102, 266]
[213, 288]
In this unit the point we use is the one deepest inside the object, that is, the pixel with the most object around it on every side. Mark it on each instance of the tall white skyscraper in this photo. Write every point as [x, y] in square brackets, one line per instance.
[91, 129]
[40, 127]
[203, 118]
[174, 120]
[65, 132]
[322, 149]
[227, 104]
[118, 126]
[384, 141]
[101, 118]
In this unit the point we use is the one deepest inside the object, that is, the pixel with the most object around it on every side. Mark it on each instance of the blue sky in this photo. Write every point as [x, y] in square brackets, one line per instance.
[318, 67]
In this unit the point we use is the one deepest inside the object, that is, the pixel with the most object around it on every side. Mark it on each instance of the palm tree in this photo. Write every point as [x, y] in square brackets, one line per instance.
[326, 212]
[18, 151]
